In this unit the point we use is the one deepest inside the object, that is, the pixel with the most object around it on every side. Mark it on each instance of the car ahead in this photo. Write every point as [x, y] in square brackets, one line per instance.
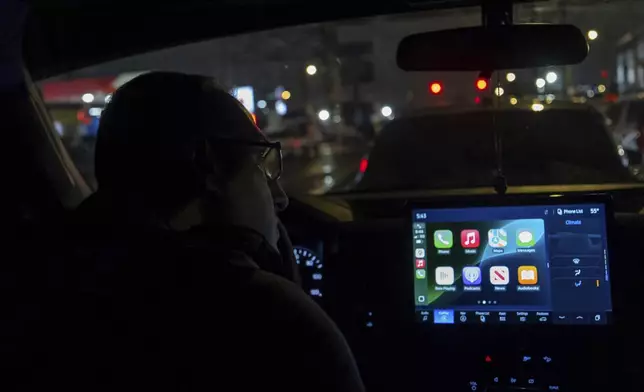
[552, 145]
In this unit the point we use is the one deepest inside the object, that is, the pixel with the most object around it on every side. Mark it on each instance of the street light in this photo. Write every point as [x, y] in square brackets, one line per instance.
[311, 69]
[592, 35]
[88, 98]
[551, 77]
[499, 91]
[386, 111]
[513, 101]
[511, 77]
[324, 114]
[540, 83]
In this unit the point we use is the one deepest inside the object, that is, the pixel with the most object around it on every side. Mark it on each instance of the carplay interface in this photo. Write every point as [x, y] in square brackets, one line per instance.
[511, 265]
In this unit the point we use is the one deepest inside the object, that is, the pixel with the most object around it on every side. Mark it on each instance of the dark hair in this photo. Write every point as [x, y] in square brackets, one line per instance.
[155, 138]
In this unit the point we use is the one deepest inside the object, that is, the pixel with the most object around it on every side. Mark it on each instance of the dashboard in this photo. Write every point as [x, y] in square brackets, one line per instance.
[529, 292]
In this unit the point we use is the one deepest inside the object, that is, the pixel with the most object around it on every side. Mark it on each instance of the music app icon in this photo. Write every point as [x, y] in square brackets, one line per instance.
[470, 239]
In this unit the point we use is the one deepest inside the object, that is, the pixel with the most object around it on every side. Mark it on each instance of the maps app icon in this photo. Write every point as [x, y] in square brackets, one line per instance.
[471, 276]
[497, 238]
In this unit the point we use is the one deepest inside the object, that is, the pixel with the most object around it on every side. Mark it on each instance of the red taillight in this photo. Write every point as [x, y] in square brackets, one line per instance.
[435, 88]
[82, 117]
[477, 100]
[364, 162]
[481, 84]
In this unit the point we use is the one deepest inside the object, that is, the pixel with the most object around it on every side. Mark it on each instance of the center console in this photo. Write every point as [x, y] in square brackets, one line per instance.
[529, 264]
[515, 294]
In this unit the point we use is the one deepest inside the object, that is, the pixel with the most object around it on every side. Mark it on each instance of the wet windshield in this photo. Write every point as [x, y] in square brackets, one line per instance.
[350, 120]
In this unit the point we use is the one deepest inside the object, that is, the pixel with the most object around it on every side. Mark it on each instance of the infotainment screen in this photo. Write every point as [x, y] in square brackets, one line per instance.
[537, 264]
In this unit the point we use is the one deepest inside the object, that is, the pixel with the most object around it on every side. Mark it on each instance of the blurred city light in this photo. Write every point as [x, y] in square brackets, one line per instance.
[364, 163]
[601, 88]
[95, 112]
[513, 101]
[108, 98]
[324, 114]
[537, 107]
[88, 98]
[286, 95]
[511, 77]
[261, 104]
[551, 77]
[311, 69]
[592, 35]
[499, 91]
[481, 84]
[435, 88]
[540, 83]
[590, 93]
[281, 108]
[386, 111]
[550, 98]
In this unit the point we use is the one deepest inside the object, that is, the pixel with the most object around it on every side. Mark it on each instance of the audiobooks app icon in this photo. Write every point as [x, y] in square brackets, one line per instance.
[528, 274]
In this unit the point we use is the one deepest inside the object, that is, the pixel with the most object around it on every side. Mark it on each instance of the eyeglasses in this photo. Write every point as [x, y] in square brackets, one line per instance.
[270, 160]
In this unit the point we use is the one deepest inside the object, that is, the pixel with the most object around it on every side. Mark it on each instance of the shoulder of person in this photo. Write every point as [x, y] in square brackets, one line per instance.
[316, 350]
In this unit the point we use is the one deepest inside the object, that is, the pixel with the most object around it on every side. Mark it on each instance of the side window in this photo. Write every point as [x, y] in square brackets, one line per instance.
[75, 106]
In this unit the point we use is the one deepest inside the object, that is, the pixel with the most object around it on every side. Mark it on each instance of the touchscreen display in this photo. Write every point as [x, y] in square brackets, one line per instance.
[511, 265]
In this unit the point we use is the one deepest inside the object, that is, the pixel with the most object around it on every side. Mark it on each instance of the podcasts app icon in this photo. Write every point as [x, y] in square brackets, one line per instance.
[471, 276]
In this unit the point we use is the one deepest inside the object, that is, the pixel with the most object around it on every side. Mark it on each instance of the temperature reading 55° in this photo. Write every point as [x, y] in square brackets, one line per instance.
[594, 211]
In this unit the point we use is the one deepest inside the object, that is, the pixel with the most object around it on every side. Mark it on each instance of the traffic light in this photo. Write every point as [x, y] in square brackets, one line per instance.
[435, 88]
[481, 84]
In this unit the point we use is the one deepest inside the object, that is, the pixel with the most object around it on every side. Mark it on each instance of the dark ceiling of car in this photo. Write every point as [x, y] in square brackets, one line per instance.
[70, 34]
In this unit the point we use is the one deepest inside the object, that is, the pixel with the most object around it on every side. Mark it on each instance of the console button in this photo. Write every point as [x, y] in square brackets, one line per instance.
[562, 318]
[474, 386]
[513, 381]
[579, 318]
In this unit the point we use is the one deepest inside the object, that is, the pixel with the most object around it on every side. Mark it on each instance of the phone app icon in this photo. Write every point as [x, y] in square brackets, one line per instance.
[443, 239]
[499, 275]
[497, 238]
[420, 252]
[525, 237]
[471, 276]
[528, 274]
[420, 274]
[470, 239]
[420, 263]
[444, 276]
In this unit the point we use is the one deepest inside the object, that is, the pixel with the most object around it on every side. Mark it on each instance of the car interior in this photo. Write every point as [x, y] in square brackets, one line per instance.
[496, 287]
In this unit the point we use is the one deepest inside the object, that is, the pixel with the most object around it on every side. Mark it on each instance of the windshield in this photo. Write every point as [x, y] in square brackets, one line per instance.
[350, 120]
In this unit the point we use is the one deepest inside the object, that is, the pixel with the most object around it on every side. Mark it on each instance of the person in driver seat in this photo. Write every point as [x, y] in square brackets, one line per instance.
[183, 277]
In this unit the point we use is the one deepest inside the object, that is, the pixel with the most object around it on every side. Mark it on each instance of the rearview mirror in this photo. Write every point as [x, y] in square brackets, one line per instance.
[493, 48]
